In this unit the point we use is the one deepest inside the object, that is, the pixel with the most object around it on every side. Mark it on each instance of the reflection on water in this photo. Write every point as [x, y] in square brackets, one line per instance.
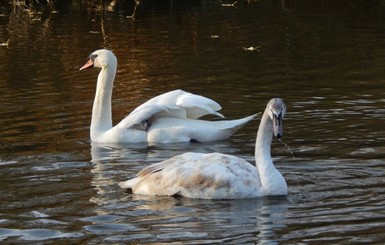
[168, 218]
[324, 58]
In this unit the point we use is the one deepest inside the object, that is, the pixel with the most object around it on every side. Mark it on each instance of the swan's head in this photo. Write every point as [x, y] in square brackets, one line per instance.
[276, 110]
[101, 58]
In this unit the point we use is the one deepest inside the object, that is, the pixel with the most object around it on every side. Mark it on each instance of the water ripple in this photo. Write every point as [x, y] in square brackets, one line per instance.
[36, 234]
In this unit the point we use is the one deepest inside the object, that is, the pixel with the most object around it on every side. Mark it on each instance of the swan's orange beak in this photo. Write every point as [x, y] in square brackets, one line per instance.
[90, 63]
[277, 126]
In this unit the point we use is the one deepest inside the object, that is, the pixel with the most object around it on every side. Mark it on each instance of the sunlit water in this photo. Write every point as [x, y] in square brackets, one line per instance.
[324, 58]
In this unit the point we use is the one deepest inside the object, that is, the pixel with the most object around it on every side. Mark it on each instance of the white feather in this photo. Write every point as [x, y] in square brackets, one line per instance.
[169, 117]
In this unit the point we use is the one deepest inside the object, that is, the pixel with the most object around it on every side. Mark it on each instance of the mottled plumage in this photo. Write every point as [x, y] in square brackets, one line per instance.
[216, 175]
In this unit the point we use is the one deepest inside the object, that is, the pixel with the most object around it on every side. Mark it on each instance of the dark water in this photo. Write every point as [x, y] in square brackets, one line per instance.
[324, 58]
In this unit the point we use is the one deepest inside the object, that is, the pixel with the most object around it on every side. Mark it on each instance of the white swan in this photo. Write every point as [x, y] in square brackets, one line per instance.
[219, 176]
[169, 117]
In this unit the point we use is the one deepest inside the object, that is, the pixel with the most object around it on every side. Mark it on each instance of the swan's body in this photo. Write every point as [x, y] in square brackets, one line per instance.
[216, 175]
[169, 117]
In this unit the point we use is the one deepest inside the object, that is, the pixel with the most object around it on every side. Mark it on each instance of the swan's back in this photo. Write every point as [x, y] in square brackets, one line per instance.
[198, 175]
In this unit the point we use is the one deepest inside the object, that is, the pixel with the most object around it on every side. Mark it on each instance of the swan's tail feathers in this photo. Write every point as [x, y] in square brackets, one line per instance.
[128, 184]
[223, 129]
[234, 125]
[245, 120]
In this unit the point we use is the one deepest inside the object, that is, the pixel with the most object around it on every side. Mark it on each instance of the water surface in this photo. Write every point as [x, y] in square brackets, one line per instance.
[324, 58]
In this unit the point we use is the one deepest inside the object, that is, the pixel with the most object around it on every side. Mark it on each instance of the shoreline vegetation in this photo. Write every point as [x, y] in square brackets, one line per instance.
[33, 7]
[20, 15]
[129, 7]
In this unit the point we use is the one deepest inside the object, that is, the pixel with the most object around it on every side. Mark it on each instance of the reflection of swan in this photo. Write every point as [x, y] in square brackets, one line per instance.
[169, 117]
[106, 153]
[219, 176]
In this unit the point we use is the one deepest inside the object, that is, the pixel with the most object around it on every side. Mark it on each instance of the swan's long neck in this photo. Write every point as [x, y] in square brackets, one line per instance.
[101, 112]
[269, 175]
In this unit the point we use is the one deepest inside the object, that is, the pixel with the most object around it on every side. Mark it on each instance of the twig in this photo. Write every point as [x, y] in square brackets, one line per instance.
[6, 44]
[137, 2]
[229, 4]
[252, 48]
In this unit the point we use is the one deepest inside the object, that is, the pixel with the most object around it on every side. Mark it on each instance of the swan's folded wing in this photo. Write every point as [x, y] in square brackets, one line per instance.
[198, 175]
[197, 106]
[163, 178]
[167, 99]
[138, 117]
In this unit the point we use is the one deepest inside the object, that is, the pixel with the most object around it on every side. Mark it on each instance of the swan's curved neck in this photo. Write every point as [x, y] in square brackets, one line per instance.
[263, 142]
[101, 111]
[266, 168]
